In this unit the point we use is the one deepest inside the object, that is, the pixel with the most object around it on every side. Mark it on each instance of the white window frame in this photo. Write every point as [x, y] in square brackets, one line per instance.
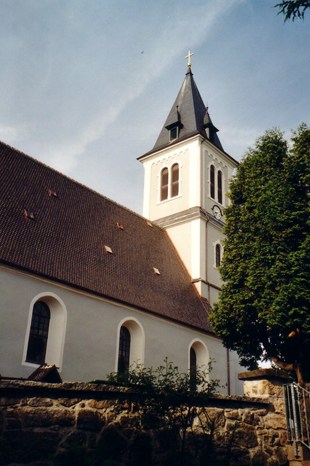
[137, 341]
[217, 242]
[169, 168]
[56, 332]
[215, 198]
[202, 355]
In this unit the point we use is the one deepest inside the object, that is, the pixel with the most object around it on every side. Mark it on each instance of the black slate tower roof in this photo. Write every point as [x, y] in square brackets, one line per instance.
[54, 227]
[190, 114]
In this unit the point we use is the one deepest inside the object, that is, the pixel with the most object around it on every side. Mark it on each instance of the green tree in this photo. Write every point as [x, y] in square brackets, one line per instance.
[264, 306]
[292, 9]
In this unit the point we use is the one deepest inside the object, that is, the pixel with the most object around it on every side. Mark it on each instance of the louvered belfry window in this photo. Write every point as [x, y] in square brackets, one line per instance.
[38, 333]
[220, 187]
[175, 180]
[164, 184]
[173, 133]
[124, 350]
[212, 182]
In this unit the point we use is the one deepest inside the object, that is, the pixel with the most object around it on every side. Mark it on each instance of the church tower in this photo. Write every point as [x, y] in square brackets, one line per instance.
[186, 178]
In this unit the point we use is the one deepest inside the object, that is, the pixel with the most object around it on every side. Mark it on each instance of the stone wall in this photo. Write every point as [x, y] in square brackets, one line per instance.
[80, 424]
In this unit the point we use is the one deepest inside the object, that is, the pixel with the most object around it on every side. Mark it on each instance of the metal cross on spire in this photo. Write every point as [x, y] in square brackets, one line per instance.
[189, 59]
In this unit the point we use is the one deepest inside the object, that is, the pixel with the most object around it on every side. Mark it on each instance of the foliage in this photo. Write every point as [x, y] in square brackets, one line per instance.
[263, 311]
[165, 380]
[159, 418]
[165, 399]
[292, 9]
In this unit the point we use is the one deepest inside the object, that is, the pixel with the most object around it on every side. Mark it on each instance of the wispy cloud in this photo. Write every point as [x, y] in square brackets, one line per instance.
[187, 28]
[233, 138]
[8, 133]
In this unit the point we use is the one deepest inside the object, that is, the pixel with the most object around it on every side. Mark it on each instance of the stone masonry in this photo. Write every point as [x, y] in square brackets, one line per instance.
[47, 424]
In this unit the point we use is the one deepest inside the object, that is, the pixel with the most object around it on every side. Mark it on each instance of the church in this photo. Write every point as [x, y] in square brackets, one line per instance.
[90, 286]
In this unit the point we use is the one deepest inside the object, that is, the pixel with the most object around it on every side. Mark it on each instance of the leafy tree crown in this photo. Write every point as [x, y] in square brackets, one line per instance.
[264, 305]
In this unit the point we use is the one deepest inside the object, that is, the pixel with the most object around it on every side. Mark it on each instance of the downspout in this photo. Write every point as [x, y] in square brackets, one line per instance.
[228, 373]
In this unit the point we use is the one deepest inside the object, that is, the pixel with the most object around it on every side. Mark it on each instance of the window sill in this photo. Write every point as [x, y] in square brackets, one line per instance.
[169, 199]
[30, 364]
[217, 202]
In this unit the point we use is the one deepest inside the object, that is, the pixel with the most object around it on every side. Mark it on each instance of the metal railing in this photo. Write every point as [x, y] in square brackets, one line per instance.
[297, 408]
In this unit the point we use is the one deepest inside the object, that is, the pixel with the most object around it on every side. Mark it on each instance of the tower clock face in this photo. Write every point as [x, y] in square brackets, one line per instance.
[217, 213]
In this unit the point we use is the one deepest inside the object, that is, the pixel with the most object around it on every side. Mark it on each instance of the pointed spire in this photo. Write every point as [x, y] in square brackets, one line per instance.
[188, 116]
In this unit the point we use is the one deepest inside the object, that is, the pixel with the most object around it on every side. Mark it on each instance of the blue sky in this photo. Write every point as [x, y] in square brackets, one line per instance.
[85, 86]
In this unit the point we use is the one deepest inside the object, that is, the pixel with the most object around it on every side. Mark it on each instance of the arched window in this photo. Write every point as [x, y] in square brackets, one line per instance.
[164, 186]
[212, 181]
[46, 331]
[220, 187]
[124, 350]
[130, 344]
[38, 335]
[218, 255]
[198, 358]
[193, 369]
[174, 180]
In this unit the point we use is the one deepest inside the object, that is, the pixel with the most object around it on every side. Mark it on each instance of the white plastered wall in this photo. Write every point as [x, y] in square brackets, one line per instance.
[92, 330]
[215, 236]
[189, 238]
[188, 156]
[181, 236]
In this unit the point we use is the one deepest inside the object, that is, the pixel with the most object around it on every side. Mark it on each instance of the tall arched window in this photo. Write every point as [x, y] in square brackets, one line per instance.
[124, 350]
[218, 255]
[164, 184]
[198, 358]
[220, 186]
[212, 181]
[193, 369]
[38, 335]
[175, 180]
[46, 331]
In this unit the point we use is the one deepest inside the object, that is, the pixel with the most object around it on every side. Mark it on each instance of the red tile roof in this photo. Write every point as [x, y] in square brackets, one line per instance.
[66, 239]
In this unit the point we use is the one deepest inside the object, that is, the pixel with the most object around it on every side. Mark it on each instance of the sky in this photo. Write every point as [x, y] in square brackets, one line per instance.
[86, 86]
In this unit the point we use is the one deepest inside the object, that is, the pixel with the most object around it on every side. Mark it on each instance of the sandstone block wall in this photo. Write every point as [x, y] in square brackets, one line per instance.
[81, 424]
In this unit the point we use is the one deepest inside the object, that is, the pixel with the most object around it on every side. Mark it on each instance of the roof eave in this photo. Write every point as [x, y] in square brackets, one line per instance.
[181, 140]
[104, 296]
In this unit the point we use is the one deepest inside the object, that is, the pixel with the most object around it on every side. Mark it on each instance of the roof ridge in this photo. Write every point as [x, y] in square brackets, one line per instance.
[196, 90]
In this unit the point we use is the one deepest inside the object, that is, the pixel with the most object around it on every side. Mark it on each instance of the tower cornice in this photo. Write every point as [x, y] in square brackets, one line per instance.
[180, 142]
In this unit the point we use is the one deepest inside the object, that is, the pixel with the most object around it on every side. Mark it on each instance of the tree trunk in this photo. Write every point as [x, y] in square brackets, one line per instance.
[294, 367]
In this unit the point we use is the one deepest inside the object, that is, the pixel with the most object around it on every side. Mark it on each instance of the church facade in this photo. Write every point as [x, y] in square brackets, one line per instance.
[93, 287]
